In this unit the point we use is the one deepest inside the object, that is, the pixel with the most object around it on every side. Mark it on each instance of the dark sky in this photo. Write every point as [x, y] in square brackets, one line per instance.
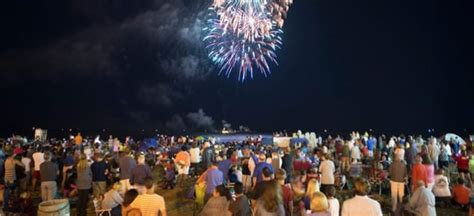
[394, 66]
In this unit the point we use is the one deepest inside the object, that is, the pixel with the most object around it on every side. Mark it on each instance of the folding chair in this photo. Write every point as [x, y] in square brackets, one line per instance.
[98, 209]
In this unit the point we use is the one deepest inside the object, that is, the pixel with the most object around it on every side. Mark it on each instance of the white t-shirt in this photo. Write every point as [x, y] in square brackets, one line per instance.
[327, 170]
[149, 204]
[38, 158]
[27, 162]
[441, 187]
[361, 206]
[333, 206]
[194, 154]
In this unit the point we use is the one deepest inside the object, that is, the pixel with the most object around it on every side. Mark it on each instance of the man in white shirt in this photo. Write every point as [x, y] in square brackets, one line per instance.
[150, 203]
[27, 162]
[361, 204]
[327, 170]
[38, 159]
[195, 155]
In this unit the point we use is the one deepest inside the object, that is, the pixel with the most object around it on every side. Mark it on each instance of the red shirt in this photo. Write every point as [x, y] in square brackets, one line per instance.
[287, 198]
[463, 162]
[418, 173]
[461, 194]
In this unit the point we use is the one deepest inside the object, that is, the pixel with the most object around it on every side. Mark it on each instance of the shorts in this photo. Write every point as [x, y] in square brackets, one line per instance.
[37, 175]
[463, 171]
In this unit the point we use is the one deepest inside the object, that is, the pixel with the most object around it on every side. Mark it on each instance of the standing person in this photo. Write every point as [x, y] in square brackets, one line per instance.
[207, 155]
[258, 173]
[49, 172]
[84, 184]
[26, 161]
[183, 162]
[140, 173]
[333, 202]
[271, 202]
[99, 176]
[150, 203]
[38, 159]
[418, 172]
[212, 177]
[422, 202]
[361, 204]
[287, 164]
[444, 153]
[462, 162]
[319, 205]
[430, 172]
[68, 164]
[327, 170]
[398, 177]
[400, 152]
[195, 155]
[434, 151]
[287, 193]
[10, 177]
[345, 159]
[127, 164]
[355, 152]
[312, 188]
[78, 140]
[246, 174]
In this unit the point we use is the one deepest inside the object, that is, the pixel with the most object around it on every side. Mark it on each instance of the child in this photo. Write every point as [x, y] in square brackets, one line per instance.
[333, 202]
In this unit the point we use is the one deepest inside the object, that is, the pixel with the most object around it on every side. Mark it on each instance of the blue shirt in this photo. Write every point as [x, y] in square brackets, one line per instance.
[259, 170]
[224, 167]
[370, 144]
[214, 178]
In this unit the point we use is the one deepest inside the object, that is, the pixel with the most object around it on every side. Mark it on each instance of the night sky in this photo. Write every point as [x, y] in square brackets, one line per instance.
[394, 66]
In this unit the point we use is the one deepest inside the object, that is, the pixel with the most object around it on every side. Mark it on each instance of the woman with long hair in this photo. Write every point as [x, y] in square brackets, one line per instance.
[312, 188]
[319, 205]
[84, 184]
[271, 201]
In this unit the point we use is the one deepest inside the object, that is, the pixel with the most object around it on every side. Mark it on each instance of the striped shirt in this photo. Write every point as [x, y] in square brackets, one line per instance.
[10, 174]
[149, 204]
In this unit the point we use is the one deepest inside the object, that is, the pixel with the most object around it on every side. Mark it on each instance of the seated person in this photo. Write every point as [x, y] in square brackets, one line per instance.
[461, 193]
[218, 204]
[113, 199]
[241, 204]
[422, 201]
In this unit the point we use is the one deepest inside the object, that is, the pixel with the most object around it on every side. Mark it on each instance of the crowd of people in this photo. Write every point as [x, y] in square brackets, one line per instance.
[242, 178]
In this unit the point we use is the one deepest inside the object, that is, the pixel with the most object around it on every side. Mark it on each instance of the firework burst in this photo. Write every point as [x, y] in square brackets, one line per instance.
[241, 34]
